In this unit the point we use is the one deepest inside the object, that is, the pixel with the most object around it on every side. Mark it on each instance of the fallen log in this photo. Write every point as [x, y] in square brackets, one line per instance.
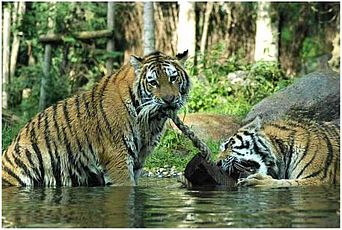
[200, 172]
[85, 35]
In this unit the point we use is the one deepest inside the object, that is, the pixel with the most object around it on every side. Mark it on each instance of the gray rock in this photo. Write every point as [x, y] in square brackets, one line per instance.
[314, 96]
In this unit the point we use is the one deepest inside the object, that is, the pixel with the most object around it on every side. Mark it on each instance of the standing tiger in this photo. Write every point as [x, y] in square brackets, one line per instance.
[283, 153]
[102, 136]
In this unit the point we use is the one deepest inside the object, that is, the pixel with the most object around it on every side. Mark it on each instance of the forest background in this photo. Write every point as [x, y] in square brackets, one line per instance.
[240, 53]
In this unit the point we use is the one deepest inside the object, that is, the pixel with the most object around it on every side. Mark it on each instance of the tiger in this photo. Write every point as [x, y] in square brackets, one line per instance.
[101, 136]
[283, 153]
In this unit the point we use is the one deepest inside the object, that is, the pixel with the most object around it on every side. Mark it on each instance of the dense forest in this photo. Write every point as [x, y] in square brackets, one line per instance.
[240, 51]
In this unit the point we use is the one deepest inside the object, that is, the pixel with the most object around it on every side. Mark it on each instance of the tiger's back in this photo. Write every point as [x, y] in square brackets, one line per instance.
[307, 149]
[284, 153]
[59, 146]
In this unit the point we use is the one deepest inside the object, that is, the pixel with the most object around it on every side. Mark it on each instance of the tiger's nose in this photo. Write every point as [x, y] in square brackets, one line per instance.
[168, 99]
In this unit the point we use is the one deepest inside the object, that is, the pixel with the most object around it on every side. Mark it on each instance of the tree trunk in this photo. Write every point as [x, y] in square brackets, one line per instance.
[84, 35]
[334, 61]
[6, 56]
[209, 8]
[19, 13]
[149, 27]
[186, 28]
[110, 42]
[47, 62]
[266, 37]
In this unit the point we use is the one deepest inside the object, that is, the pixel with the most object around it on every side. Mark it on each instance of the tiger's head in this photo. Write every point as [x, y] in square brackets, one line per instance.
[247, 152]
[161, 83]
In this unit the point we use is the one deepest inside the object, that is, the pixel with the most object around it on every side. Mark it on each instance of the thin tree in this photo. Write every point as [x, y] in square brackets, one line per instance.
[5, 57]
[18, 13]
[149, 27]
[267, 35]
[110, 42]
[186, 27]
[47, 60]
[208, 9]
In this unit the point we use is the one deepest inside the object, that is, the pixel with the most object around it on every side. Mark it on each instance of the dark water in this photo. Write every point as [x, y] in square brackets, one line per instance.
[161, 203]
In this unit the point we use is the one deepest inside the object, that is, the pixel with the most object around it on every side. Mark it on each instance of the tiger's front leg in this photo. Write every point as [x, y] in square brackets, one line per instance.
[118, 165]
[260, 180]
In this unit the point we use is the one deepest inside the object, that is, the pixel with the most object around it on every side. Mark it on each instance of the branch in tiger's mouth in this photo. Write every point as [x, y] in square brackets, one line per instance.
[199, 144]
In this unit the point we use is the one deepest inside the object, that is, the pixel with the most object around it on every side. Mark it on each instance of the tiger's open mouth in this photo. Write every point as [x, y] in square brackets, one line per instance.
[237, 168]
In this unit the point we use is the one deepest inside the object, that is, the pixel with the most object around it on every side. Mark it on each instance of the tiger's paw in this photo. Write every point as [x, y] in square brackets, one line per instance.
[257, 180]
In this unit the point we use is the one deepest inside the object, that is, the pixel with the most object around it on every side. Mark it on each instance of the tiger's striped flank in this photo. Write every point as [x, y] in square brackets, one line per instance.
[286, 152]
[103, 136]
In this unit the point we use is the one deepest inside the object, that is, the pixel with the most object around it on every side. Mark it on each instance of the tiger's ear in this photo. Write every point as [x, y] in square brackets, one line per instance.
[182, 57]
[254, 125]
[136, 62]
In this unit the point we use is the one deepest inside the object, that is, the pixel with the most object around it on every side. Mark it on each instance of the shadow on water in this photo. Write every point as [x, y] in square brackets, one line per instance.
[162, 203]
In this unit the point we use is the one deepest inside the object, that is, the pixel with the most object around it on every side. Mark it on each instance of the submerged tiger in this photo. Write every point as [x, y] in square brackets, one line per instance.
[103, 136]
[283, 153]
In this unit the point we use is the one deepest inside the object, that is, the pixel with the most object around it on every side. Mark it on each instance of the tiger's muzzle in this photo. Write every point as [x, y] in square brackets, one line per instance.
[171, 102]
[237, 168]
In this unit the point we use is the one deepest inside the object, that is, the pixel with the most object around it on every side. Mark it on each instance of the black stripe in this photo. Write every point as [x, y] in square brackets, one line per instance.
[54, 117]
[66, 114]
[40, 119]
[93, 99]
[241, 140]
[330, 155]
[12, 174]
[309, 163]
[258, 151]
[27, 129]
[77, 103]
[335, 171]
[284, 128]
[47, 136]
[37, 151]
[259, 138]
[130, 152]
[90, 147]
[313, 174]
[22, 166]
[71, 157]
[72, 162]
[33, 166]
[289, 155]
[135, 102]
[16, 147]
[67, 118]
[7, 159]
[237, 153]
[104, 116]
[308, 141]
[5, 182]
[86, 105]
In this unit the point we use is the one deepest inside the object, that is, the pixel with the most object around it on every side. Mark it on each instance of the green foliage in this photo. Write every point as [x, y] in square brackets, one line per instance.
[213, 91]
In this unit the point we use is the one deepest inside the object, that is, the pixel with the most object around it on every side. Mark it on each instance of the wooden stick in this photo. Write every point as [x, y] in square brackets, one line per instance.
[85, 35]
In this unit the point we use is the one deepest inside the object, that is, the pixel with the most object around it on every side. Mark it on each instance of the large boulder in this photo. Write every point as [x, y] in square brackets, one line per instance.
[314, 96]
[211, 126]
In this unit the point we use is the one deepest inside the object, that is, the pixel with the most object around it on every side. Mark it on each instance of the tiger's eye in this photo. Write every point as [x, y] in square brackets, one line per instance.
[153, 83]
[173, 78]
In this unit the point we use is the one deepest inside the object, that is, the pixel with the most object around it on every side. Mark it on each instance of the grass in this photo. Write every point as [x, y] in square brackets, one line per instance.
[175, 149]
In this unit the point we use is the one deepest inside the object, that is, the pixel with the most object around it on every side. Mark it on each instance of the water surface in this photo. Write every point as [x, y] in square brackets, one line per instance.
[162, 203]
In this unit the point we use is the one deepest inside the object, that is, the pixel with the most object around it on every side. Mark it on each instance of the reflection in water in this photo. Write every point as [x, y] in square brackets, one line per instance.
[161, 203]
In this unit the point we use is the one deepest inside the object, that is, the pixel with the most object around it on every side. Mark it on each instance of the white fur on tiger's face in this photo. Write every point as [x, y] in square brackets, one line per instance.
[282, 153]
